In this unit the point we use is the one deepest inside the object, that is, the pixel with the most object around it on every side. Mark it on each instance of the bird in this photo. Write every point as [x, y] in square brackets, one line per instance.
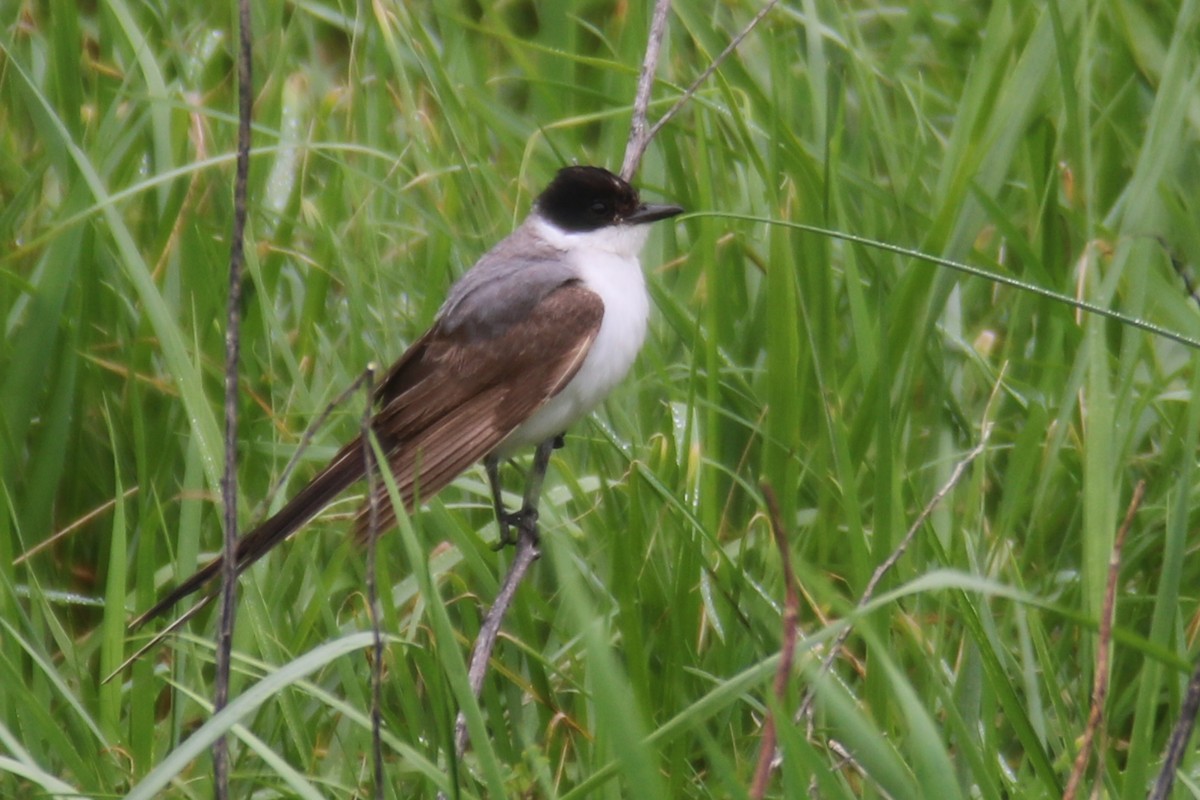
[528, 341]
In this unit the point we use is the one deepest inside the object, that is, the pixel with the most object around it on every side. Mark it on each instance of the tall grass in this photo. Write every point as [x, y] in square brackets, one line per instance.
[394, 144]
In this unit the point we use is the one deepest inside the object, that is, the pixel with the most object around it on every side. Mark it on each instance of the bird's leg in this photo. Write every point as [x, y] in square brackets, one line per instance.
[533, 484]
[503, 518]
[525, 520]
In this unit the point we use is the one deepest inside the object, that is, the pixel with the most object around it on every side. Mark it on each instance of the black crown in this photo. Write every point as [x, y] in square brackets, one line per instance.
[587, 198]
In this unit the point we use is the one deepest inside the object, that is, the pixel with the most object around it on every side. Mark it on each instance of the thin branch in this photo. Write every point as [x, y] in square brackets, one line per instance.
[791, 614]
[526, 553]
[232, 344]
[369, 467]
[1177, 745]
[1104, 647]
[638, 138]
[956, 475]
[691, 90]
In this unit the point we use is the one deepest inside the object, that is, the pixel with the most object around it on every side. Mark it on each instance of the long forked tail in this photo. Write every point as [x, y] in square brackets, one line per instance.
[345, 468]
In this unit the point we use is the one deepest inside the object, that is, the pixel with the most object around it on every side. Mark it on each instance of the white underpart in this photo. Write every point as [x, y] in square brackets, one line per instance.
[607, 262]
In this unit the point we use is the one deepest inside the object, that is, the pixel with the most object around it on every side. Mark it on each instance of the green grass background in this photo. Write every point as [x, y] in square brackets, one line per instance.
[394, 143]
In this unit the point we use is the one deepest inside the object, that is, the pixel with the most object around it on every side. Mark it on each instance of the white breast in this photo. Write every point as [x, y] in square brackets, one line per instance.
[607, 262]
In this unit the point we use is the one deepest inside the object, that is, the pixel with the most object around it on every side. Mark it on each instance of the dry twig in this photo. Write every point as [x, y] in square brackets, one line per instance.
[791, 615]
[233, 326]
[639, 136]
[691, 90]
[1103, 647]
[1177, 744]
[370, 467]
[523, 557]
[956, 475]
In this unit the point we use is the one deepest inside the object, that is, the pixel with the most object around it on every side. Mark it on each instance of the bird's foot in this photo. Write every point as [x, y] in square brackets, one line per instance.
[525, 521]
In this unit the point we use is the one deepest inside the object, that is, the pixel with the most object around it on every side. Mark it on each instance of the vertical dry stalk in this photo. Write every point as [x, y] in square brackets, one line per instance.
[639, 138]
[232, 346]
[1177, 745]
[368, 446]
[1104, 647]
[956, 475]
[791, 616]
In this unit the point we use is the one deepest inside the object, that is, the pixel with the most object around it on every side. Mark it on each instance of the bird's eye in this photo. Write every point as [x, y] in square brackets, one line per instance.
[599, 208]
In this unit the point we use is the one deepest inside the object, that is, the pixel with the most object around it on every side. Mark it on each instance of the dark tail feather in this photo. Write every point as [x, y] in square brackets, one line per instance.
[345, 469]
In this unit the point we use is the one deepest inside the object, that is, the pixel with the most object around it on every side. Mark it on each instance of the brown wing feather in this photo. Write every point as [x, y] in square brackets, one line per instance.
[446, 403]
[516, 374]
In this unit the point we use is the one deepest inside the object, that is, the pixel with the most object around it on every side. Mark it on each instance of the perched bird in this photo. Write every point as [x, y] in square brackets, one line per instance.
[529, 340]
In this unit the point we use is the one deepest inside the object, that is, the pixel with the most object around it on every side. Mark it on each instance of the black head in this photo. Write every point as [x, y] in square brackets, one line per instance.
[588, 198]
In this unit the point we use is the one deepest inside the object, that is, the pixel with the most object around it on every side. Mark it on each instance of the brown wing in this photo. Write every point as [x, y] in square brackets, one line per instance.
[445, 404]
[452, 406]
